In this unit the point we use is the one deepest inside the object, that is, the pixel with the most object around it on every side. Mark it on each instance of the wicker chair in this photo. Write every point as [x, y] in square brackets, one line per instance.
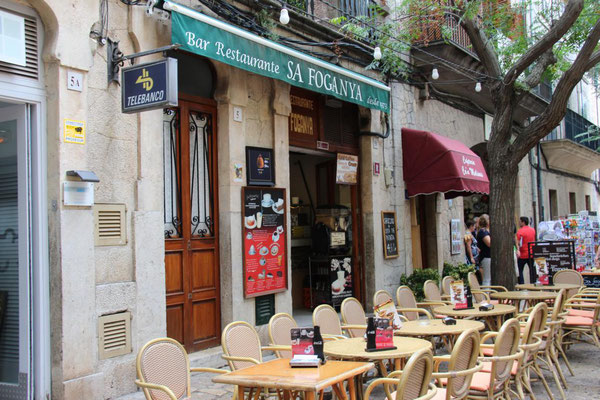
[552, 343]
[163, 370]
[568, 276]
[586, 325]
[381, 296]
[280, 325]
[241, 345]
[446, 281]
[479, 295]
[462, 364]
[533, 329]
[326, 317]
[432, 293]
[353, 317]
[412, 383]
[495, 383]
[408, 306]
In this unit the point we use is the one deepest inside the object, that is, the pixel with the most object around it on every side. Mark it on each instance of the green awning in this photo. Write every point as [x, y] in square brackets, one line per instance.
[212, 38]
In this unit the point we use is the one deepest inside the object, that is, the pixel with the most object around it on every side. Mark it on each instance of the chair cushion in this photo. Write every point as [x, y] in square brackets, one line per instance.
[480, 382]
[487, 351]
[581, 313]
[580, 321]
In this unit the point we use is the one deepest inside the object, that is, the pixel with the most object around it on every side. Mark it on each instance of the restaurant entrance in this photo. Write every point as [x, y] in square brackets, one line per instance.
[325, 201]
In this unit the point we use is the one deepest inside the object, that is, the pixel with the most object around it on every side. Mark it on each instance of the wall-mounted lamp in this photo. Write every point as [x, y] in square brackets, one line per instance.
[84, 176]
[284, 17]
[435, 74]
[377, 53]
[478, 87]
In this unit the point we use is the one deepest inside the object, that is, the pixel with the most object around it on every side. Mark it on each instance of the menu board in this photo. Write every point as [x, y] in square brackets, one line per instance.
[591, 280]
[552, 256]
[264, 240]
[390, 237]
[455, 237]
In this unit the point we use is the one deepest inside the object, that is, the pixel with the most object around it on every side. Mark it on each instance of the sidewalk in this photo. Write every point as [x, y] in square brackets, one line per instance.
[585, 385]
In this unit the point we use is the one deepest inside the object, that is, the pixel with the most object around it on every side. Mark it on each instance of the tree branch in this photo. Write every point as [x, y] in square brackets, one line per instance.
[557, 108]
[535, 77]
[594, 59]
[558, 30]
[483, 48]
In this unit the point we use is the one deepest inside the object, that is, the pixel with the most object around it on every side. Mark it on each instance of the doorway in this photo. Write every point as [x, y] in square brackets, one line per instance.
[191, 224]
[15, 256]
[325, 223]
[423, 231]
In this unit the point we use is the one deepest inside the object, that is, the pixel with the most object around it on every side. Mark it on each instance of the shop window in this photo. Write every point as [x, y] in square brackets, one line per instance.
[588, 204]
[553, 201]
[572, 203]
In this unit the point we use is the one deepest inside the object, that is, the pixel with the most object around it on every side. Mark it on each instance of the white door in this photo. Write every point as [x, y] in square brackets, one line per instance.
[14, 253]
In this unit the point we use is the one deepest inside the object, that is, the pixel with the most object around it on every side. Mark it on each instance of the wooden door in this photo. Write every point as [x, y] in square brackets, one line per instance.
[191, 225]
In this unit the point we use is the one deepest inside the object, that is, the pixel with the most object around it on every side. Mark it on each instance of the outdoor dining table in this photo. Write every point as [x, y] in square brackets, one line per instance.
[354, 349]
[493, 317]
[435, 327]
[555, 287]
[277, 374]
[530, 298]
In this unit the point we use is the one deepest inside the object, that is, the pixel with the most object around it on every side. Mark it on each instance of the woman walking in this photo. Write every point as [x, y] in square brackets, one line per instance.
[483, 242]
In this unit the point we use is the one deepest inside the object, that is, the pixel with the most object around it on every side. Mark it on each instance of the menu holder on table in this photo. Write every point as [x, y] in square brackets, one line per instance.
[380, 334]
[458, 296]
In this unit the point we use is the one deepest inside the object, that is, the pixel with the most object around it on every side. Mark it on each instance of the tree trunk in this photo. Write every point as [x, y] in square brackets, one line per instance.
[503, 181]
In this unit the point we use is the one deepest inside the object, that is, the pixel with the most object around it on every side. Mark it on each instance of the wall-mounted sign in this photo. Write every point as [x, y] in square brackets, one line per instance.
[264, 240]
[260, 166]
[390, 237]
[74, 131]
[376, 169]
[303, 121]
[455, 238]
[347, 169]
[149, 86]
[78, 193]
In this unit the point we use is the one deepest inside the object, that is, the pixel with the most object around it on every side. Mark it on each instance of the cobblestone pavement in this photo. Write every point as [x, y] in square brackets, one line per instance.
[585, 385]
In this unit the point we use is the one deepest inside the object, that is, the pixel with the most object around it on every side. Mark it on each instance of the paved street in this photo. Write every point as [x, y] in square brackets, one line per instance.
[585, 385]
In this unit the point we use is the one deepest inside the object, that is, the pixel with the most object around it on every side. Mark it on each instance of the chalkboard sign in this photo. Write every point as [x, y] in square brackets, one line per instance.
[390, 237]
[591, 280]
[552, 256]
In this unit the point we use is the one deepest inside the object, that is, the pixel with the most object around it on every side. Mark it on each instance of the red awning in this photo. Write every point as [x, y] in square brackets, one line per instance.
[437, 164]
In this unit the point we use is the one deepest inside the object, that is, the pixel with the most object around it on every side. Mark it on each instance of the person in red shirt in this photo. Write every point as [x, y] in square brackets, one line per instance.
[525, 235]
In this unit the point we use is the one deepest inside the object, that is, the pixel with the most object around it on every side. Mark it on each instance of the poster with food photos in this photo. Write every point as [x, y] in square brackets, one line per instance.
[264, 240]
[340, 272]
[384, 334]
[302, 341]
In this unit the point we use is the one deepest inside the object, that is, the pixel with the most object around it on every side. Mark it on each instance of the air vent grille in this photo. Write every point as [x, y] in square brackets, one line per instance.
[109, 222]
[31, 68]
[114, 335]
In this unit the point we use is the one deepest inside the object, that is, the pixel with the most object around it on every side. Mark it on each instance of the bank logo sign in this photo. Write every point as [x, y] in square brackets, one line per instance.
[149, 86]
[247, 51]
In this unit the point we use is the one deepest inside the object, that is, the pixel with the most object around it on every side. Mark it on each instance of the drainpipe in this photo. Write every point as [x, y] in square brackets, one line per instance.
[540, 186]
[533, 194]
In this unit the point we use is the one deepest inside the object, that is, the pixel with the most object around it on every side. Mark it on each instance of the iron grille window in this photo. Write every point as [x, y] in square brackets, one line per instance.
[172, 205]
[200, 173]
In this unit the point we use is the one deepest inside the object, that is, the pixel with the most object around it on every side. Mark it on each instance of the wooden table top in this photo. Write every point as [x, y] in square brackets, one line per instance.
[355, 348]
[278, 374]
[435, 327]
[499, 309]
[556, 286]
[523, 295]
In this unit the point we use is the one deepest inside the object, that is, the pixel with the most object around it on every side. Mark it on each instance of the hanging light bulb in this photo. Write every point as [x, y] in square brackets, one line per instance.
[435, 74]
[478, 87]
[284, 17]
[377, 53]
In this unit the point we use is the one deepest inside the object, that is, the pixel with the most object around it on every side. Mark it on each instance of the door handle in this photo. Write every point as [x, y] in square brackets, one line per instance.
[189, 296]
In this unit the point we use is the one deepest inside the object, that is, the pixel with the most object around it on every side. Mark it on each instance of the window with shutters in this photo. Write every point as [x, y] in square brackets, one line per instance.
[109, 224]
[19, 44]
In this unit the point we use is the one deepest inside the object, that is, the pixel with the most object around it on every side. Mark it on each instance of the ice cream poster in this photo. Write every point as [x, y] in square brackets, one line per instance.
[264, 241]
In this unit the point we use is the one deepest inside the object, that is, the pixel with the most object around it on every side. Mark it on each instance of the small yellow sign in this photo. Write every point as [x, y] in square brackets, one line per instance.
[74, 131]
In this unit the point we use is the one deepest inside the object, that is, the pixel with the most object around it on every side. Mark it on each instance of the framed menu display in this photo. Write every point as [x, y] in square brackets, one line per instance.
[455, 237]
[264, 240]
[260, 166]
[550, 257]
